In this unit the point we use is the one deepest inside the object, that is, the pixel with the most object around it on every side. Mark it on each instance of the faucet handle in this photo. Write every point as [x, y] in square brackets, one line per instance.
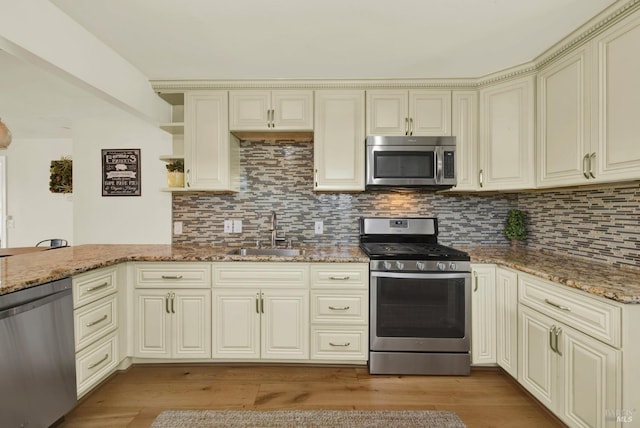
[290, 243]
[258, 244]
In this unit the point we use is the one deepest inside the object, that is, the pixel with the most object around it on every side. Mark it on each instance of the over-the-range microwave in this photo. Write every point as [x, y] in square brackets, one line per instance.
[410, 161]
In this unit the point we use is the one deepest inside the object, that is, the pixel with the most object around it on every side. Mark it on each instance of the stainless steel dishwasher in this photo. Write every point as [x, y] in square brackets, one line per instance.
[37, 355]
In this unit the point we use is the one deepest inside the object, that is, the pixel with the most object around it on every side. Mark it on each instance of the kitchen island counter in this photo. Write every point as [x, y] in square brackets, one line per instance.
[22, 271]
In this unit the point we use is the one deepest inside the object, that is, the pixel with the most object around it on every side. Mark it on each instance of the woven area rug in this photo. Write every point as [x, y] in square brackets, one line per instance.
[306, 418]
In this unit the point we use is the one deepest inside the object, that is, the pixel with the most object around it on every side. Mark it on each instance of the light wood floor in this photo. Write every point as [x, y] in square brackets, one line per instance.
[486, 398]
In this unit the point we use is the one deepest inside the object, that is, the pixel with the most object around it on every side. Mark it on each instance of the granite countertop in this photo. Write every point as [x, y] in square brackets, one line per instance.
[22, 271]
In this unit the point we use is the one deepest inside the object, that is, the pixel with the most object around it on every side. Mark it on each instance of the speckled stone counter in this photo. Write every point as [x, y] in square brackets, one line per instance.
[619, 284]
[22, 271]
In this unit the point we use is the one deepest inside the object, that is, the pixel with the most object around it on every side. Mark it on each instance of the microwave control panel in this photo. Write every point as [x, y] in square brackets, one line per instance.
[449, 165]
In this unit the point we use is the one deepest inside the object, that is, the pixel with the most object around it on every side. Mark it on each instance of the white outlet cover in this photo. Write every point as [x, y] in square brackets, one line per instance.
[177, 228]
[319, 227]
[237, 226]
[228, 226]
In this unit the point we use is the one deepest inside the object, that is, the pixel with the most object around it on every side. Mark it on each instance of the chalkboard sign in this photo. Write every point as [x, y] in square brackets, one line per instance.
[121, 172]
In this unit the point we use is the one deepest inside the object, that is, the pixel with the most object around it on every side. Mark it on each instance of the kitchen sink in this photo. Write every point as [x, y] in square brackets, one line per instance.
[267, 252]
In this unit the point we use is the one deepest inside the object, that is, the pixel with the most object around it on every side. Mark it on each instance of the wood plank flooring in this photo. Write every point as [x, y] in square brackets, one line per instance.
[486, 398]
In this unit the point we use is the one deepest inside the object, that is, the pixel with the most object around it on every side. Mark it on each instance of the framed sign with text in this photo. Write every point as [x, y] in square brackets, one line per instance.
[121, 172]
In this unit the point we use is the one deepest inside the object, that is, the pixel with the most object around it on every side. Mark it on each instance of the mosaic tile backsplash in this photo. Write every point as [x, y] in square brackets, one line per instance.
[278, 176]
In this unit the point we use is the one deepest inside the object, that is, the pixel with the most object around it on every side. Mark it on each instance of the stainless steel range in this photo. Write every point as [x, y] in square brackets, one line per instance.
[420, 294]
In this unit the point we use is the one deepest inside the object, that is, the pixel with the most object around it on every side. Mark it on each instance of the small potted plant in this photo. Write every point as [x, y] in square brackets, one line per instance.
[515, 228]
[175, 173]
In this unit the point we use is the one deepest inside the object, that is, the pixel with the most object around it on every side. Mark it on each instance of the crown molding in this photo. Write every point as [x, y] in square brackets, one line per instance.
[579, 37]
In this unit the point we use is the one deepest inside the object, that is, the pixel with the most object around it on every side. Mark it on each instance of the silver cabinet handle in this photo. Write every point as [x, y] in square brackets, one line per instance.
[339, 278]
[586, 161]
[96, 364]
[343, 345]
[406, 126]
[592, 160]
[562, 307]
[257, 303]
[481, 178]
[171, 277]
[551, 334]
[339, 308]
[166, 303]
[475, 281]
[262, 303]
[188, 177]
[173, 299]
[92, 323]
[98, 287]
[410, 126]
[556, 333]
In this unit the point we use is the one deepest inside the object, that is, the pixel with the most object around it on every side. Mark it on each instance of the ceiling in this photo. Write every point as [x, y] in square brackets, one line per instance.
[300, 39]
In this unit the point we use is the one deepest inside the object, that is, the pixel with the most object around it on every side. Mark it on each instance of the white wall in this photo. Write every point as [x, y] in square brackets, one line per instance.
[37, 213]
[120, 219]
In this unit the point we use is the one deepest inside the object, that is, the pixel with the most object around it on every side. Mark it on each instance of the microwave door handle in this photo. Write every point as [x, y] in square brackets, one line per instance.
[438, 164]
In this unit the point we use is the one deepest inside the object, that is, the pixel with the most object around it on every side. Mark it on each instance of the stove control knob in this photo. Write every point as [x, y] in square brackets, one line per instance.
[420, 265]
[399, 265]
[441, 266]
[453, 266]
[387, 265]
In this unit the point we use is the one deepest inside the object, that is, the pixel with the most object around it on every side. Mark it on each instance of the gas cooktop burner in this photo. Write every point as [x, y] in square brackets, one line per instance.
[412, 251]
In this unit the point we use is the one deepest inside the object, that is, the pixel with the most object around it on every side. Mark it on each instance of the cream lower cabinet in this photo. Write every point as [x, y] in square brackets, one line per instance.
[172, 310]
[483, 314]
[261, 311]
[507, 320]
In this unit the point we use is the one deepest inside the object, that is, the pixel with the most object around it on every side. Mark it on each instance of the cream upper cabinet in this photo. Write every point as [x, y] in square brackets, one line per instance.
[211, 154]
[415, 112]
[339, 141]
[465, 129]
[616, 125]
[483, 314]
[506, 149]
[564, 126]
[285, 110]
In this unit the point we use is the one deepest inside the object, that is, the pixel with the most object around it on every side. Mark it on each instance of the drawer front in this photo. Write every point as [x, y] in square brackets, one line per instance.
[173, 275]
[330, 307]
[263, 275]
[94, 285]
[95, 320]
[593, 317]
[340, 275]
[96, 363]
[336, 343]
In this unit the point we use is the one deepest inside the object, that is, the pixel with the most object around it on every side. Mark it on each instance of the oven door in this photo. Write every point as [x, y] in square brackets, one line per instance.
[420, 312]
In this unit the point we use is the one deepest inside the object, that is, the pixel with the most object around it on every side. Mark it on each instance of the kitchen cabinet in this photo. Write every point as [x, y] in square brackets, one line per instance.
[506, 147]
[507, 320]
[172, 310]
[211, 153]
[483, 314]
[414, 112]
[340, 312]
[97, 320]
[285, 110]
[261, 311]
[465, 129]
[338, 148]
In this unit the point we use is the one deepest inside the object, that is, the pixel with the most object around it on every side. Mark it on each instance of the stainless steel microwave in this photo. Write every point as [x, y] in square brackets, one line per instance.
[411, 162]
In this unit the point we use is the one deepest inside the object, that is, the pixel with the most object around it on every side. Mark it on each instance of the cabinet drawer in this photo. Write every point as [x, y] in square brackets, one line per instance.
[91, 286]
[340, 275]
[96, 362]
[337, 343]
[173, 275]
[95, 320]
[263, 275]
[593, 317]
[330, 307]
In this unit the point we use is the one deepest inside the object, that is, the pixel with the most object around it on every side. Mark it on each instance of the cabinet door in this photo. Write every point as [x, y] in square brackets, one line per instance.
[591, 372]
[339, 140]
[191, 313]
[285, 324]
[616, 115]
[152, 328]
[292, 110]
[507, 320]
[506, 135]
[209, 160]
[430, 113]
[249, 110]
[537, 365]
[483, 315]
[387, 112]
[236, 326]
[465, 129]
[564, 132]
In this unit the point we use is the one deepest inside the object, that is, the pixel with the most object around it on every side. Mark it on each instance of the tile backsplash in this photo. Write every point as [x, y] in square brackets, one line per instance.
[278, 176]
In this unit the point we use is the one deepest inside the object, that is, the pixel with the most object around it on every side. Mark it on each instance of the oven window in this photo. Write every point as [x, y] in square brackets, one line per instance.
[423, 308]
[416, 164]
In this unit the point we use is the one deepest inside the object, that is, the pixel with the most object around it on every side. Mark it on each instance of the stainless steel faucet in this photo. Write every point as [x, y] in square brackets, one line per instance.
[274, 231]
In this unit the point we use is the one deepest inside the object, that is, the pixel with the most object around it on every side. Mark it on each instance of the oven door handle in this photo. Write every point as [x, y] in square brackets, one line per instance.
[452, 275]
